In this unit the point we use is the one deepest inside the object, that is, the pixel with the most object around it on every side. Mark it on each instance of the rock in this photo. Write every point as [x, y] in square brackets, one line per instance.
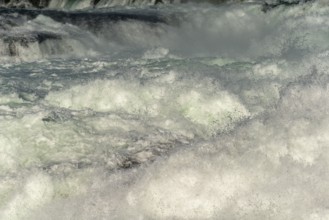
[25, 3]
[269, 6]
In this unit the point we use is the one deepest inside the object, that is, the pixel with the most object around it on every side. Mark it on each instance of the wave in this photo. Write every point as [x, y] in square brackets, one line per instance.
[30, 34]
[24, 32]
[186, 112]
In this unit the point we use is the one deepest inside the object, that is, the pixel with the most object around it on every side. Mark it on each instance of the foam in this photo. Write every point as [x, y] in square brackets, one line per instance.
[270, 167]
[169, 129]
[213, 110]
[36, 192]
[8, 155]
[184, 191]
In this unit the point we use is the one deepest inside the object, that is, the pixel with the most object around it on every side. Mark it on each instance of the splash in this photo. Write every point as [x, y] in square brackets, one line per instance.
[185, 111]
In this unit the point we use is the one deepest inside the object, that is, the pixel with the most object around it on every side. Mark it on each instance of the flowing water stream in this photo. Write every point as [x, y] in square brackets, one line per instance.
[164, 110]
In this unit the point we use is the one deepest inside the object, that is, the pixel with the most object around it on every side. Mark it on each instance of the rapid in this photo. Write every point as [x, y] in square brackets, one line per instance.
[164, 110]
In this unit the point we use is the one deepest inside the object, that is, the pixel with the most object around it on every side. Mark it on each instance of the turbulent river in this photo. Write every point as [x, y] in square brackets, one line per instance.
[164, 110]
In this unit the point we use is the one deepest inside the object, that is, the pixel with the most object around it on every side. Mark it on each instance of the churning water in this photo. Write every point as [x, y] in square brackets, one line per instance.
[166, 111]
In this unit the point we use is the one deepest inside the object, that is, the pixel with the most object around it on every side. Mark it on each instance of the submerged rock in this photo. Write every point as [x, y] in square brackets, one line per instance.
[271, 5]
[14, 42]
[25, 3]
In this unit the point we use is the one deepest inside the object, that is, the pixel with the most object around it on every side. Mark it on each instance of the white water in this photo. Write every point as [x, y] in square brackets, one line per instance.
[220, 113]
